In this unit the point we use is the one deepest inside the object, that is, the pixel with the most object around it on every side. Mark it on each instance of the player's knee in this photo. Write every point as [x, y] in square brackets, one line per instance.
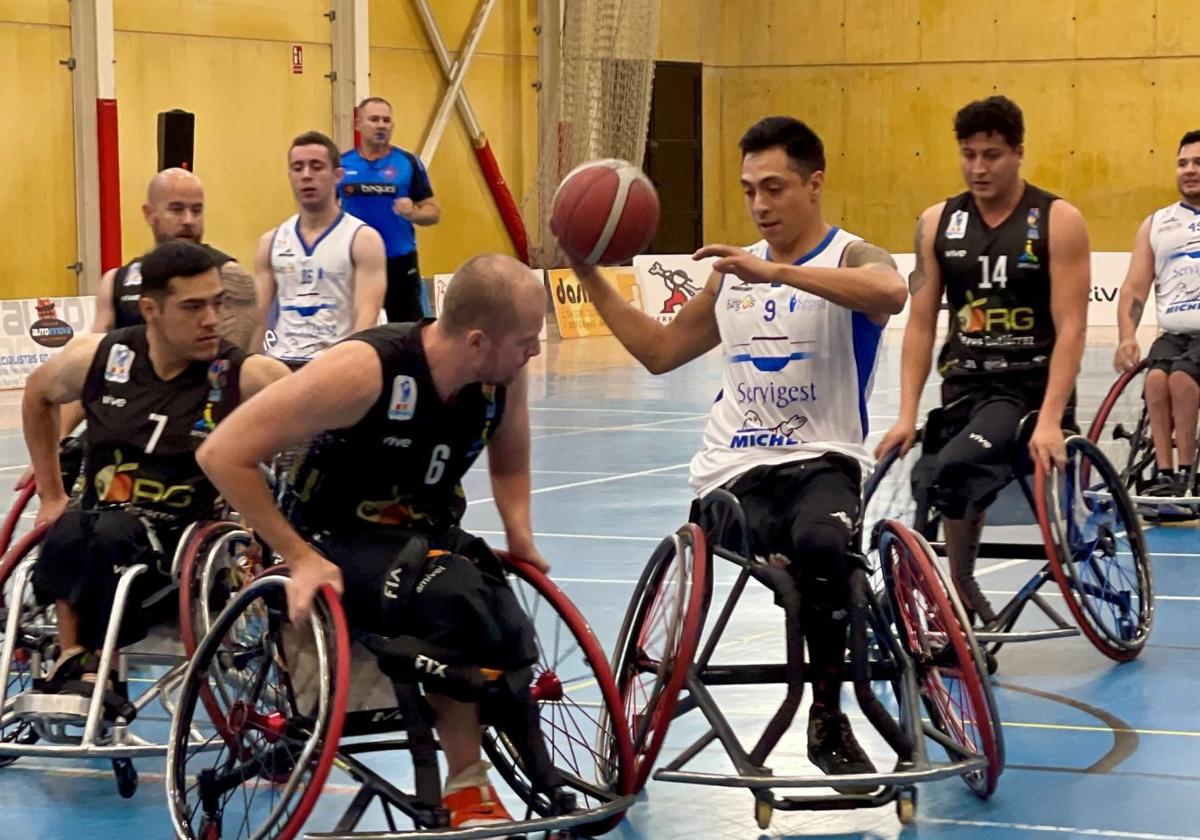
[1183, 381]
[821, 562]
[1157, 386]
[64, 559]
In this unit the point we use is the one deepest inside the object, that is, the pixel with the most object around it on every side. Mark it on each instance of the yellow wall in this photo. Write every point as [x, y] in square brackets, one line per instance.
[37, 239]
[229, 62]
[1104, 87]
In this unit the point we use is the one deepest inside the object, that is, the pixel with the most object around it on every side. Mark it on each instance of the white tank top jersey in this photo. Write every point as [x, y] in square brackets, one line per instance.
[796, 378]
[1175, 243]
[314, 289]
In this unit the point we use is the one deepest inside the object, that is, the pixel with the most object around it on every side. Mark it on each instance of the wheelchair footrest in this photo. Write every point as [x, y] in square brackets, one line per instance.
[59, 708]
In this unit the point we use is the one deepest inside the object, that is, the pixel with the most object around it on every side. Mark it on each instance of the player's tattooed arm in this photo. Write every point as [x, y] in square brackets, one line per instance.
[916, 279]
[864, 254]
[1136, 307]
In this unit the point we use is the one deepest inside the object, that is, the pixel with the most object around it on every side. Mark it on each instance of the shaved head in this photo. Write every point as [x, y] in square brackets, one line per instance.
[493, 293]
[174, 206]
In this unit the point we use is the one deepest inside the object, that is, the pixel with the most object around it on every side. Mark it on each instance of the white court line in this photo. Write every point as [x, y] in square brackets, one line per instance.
[624, 428]
[1060, 829]
[604, 480]
[987, 570]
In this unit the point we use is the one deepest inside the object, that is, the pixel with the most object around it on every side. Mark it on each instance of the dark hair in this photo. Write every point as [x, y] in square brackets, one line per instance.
[994, 115]
[316, 138]
[173, 258]
[1190, 138]
[804, 148]
[371, 99]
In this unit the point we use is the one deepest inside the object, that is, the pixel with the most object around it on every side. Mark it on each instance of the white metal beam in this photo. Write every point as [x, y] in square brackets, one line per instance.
[350, 74]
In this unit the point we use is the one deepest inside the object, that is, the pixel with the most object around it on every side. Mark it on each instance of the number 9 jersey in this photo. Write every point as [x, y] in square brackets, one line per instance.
[997, 282]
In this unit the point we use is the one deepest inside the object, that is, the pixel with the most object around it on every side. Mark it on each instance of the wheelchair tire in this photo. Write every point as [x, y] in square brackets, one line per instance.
[1121, 429]
[209, 577]
[265, 751]
[951, 671]
[658, 641]
[582, 719]
[34, 646]
[24, 494]
[1097, 550]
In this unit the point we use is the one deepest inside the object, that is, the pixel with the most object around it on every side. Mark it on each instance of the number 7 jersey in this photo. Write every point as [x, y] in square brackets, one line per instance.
[997, 282]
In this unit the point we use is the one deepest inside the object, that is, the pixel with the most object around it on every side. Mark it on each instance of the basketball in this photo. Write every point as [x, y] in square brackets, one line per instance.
[605, 212]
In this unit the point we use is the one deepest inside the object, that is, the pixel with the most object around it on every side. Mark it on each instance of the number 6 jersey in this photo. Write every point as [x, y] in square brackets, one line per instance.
[143, 432]
[997, 282]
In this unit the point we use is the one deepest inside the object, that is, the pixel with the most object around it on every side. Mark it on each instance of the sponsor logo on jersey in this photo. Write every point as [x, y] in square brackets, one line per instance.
[115, 402]
[133, 277]
[120, 362]
[740, 304]
[770, 353]
[117, 484]
[956, 228]
[955, 254]
[392, 440]
[1031, 222]
[780, 396]
[754, 435]
[974, 317]
[404, 398]
[1028, 259]
[370, 189]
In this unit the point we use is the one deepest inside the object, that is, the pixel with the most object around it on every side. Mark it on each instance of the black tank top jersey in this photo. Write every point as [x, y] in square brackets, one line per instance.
[127, 288]
[142, 433]
[997, 282]
[402, 464]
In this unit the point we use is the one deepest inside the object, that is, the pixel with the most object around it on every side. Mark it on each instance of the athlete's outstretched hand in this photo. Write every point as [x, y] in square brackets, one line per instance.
[739, 262]
[902, 434]
[309, 572]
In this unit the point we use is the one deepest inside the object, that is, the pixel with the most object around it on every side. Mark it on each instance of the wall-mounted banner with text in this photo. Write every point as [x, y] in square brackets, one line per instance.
[33, 329]
[576, 314]
[668, 281]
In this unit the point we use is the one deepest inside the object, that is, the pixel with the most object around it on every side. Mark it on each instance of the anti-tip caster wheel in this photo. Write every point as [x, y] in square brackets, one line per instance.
[906, 806]
[127, 777]
[763, 813]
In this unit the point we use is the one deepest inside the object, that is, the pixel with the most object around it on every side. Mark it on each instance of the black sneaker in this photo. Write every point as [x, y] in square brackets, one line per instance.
[1166, 485]
[834, 749]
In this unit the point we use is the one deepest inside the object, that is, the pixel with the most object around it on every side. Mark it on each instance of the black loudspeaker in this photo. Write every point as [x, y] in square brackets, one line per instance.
[176, 136]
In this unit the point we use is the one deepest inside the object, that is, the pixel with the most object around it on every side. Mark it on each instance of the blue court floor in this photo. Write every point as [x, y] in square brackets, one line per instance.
[1094, 749]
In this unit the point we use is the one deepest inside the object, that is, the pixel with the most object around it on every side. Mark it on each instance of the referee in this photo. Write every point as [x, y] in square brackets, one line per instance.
[387, 188]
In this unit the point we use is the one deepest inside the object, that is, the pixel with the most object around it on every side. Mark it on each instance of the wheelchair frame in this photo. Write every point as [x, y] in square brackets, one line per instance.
[870, 633]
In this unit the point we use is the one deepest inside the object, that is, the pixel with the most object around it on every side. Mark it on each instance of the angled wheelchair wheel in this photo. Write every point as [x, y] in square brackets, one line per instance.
[887, 494]
[35, 638]
[218, 561]
[12, 521]
[934, 630]
[1097, 550]
[253, 761]
[581, 717]
[1121, 429]
[658, 641]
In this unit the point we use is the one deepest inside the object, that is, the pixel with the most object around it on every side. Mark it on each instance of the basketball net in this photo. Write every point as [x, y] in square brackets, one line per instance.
[600, 106]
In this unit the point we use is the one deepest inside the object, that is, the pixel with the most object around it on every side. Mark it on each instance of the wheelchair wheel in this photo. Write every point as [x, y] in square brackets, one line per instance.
[36, 638]
[216, 564]
[581, 716]
[887, 494]
[1121, 429]
[934, 630]
[658, 641]
[254, 767]
[1097, 550]
[25, 493]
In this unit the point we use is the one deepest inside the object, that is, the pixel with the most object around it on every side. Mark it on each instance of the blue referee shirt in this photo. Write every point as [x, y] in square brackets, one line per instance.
[370, 188]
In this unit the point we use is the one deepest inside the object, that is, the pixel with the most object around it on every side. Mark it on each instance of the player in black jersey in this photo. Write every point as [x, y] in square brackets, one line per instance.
[151, 393]
[1013, 261]
[397, 415]
[174, 209]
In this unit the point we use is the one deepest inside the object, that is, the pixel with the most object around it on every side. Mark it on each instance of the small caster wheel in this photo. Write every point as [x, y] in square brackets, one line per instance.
[906, 807]
[762, 814]
[993, 664]
[127, 778]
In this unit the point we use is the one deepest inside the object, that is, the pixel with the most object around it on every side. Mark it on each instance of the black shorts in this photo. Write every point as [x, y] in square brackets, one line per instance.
[404, 300]
[461, 602]
[782, 501]
[972, 443]
[1173, 352]
[80, 562]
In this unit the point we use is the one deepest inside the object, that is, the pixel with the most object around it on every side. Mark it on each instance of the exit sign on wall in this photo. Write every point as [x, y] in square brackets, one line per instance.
[297, 58]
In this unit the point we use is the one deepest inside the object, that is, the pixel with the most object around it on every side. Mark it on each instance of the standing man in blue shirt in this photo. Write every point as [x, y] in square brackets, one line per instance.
[387, 188]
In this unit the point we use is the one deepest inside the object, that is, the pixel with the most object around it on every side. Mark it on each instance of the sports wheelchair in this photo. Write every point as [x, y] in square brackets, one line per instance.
[1121, 429]
[911, 643]
[1091, 545]
[283, 705]
[63, 725]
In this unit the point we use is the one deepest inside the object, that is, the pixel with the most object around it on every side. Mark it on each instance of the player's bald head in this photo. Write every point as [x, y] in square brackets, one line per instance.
[173, 181]
[490, 292]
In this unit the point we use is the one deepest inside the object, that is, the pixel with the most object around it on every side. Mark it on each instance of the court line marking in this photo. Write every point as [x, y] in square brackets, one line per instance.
[616, 411]
[551, 534]
[629, 427]
[572, 484]
[1059, 829]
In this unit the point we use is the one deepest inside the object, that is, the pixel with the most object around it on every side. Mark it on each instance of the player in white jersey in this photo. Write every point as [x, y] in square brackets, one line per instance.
[321, 275]
[1166, 253]
[798, 316]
